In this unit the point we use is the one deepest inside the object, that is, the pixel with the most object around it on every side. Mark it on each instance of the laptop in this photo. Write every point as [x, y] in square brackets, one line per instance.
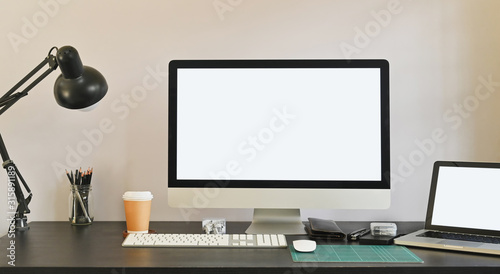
[463, 210]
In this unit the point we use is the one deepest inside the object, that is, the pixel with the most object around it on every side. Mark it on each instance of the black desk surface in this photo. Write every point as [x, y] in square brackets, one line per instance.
[58, 247]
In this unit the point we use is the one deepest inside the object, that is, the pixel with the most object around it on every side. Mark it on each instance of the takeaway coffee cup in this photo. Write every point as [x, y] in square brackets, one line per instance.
[137, 210]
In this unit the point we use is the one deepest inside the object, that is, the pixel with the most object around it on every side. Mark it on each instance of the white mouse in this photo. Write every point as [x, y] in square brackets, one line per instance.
[304, 245]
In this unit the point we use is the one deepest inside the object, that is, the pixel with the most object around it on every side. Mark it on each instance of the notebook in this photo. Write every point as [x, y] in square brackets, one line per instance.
[463, 210]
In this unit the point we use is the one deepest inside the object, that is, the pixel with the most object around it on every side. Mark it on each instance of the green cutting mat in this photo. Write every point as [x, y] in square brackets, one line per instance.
[357, 254]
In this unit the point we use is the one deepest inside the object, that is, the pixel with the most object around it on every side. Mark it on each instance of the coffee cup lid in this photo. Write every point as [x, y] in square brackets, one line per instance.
[137, 196]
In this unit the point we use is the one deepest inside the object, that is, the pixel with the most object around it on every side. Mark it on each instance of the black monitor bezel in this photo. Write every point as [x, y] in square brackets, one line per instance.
[383, 65]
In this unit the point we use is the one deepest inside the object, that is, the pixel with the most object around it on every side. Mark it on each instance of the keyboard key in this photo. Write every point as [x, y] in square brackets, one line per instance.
[274, 240]
[281, 239]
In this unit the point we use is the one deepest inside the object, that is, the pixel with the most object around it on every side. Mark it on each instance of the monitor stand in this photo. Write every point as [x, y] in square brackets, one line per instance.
[276, 221]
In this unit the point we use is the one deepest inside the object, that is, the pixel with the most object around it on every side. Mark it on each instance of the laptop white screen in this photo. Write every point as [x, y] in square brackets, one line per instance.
[467, 197]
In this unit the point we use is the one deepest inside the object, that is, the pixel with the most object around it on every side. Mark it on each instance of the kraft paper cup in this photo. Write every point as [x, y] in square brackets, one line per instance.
[137, 210]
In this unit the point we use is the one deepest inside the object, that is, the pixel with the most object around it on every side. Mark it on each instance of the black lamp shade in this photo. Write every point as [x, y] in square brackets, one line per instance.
[78, 86]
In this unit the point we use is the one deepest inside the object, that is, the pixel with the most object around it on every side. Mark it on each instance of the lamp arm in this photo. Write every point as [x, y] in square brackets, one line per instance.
[6, 101]
[9, 99]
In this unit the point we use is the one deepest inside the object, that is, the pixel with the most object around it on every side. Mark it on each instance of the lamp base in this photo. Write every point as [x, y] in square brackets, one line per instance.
[22, 224]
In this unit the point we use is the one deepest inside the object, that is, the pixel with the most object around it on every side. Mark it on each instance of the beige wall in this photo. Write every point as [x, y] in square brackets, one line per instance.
[445, 78]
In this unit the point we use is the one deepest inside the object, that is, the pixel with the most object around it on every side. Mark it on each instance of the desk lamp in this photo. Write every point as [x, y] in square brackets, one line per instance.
[77, 87]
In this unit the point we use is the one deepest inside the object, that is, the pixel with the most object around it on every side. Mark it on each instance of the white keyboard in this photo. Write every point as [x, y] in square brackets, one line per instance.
[206, 240]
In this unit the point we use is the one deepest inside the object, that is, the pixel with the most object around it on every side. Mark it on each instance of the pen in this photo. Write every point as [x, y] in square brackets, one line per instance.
[356, 234]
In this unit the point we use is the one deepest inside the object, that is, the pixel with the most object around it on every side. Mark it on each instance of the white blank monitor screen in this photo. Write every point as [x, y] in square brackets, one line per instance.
[279, 124]
[273, 128]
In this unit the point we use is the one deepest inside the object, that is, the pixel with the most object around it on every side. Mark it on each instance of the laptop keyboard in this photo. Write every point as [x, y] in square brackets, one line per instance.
[463, 237]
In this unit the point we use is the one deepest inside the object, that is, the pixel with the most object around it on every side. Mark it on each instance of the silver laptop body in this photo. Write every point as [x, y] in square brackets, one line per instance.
[464, 202]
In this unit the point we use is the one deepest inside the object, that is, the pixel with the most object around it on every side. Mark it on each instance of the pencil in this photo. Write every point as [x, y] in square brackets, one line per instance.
[70, 177]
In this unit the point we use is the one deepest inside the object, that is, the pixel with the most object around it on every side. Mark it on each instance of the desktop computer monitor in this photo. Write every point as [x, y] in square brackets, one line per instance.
[278, 136]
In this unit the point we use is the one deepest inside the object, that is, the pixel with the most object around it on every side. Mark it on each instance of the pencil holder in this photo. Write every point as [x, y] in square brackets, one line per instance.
[81, 205]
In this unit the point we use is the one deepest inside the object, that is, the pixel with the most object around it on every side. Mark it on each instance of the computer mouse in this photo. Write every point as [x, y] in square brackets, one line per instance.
[304, 245]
